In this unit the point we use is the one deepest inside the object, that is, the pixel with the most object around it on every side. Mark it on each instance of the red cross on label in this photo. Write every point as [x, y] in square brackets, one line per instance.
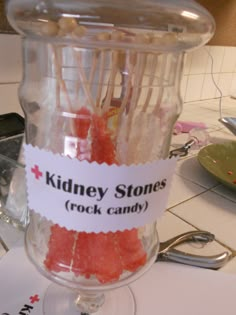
[34, 298]
[36, 171]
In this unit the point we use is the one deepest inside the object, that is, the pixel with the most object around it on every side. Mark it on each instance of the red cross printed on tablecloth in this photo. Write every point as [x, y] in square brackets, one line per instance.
[37, 173]
[34, 298]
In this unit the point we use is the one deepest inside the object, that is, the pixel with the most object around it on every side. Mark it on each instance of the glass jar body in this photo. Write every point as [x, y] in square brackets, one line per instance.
[137, 93]
[108, 106]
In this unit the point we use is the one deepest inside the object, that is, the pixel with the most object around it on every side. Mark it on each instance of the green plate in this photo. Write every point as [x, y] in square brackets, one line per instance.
[220, 161]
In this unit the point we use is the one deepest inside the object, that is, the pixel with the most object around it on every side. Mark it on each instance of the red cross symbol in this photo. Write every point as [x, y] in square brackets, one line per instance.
[36, 172]
[34, 299]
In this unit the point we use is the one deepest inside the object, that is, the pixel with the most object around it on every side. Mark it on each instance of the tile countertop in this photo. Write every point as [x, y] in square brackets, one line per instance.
[197, 201]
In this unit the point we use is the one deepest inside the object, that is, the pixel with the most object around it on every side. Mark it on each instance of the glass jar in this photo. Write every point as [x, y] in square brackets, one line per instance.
[102, 84]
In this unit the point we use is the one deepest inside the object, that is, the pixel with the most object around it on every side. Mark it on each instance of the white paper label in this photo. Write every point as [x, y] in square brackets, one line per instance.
[90, 197]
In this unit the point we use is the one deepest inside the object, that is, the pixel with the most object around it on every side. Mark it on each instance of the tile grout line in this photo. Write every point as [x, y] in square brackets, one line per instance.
[201, 193]
[217, 82]
[186, 200]
[204, 74]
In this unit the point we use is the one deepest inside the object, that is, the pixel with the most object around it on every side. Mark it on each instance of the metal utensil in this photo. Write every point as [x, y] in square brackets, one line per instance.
[230, 123]
[168, 253]
[182, 151]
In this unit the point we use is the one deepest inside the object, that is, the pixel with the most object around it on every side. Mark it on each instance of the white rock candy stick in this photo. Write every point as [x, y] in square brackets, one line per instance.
[152, 77]
[83, 79]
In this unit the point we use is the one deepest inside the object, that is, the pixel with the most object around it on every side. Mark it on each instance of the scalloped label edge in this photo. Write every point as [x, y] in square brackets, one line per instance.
[93, 197]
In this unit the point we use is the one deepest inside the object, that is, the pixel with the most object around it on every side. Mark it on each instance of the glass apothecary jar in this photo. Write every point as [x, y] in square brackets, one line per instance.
[101, 86]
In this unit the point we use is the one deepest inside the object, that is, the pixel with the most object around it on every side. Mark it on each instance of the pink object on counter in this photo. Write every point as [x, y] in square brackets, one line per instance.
[186, 126]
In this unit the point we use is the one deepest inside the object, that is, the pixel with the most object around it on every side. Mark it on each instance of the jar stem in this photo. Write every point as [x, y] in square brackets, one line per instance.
[89, 303]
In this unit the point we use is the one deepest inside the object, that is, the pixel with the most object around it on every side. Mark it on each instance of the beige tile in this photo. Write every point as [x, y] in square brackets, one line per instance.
[10, 58]
[221, 136]
[233, 86]
[217, 53]
[199, 108]
[194, 87]
[229, 107]
[9, 99]
[210, 118]
[212, 104]
[211, 212]
[201, 103]
[209, 88]
[198, 113]
[181, 190]
[224, 83]
[190, 169]
[229, 60]
[171, 226]
[199, 61]
[229, 101]
[225, 192]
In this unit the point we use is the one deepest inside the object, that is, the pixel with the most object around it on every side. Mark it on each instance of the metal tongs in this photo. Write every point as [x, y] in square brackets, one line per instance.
[182, 151]
[168, 253]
